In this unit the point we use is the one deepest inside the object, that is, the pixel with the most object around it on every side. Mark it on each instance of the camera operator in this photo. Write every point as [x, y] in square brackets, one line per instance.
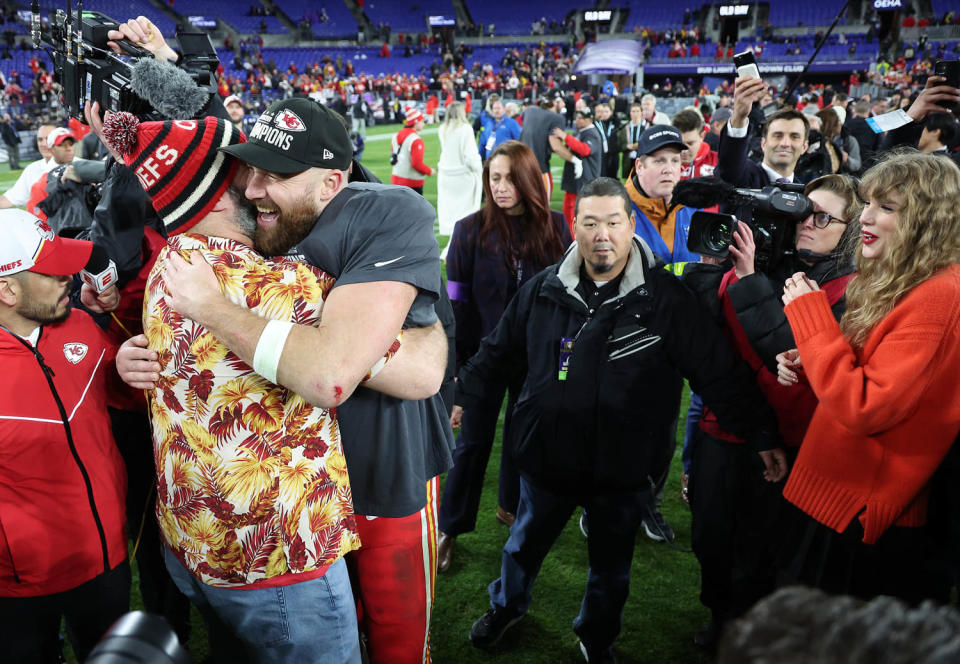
[734, 511]
[784, 140]
[63, 546]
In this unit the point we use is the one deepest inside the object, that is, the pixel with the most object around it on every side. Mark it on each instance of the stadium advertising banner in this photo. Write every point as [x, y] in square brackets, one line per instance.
[765, 67]
[205, 22]
[887, 5]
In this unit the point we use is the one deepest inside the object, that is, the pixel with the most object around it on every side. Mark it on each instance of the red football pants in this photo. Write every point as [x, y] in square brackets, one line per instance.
[569, 208]
[393, 575]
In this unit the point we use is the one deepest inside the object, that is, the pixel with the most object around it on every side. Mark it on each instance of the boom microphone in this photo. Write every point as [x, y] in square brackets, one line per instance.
[703, 192]
[170, 90]
[100, 272]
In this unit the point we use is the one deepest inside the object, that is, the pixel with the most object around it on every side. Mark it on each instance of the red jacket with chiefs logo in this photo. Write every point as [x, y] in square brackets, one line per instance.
[62, 480]
[702, 165]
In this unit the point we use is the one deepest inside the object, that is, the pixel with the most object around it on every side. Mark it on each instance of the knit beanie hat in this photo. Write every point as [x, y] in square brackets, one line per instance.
[177, 162]
[413, 116]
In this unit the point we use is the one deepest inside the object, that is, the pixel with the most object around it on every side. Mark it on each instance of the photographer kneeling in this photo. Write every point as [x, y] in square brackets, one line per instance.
[734, 510]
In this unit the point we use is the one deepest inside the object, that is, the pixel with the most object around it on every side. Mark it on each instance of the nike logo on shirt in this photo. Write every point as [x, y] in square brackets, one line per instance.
[382, 263]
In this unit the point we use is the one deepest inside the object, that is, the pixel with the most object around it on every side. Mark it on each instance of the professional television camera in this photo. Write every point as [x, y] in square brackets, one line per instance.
[774, 212]
[88, 70]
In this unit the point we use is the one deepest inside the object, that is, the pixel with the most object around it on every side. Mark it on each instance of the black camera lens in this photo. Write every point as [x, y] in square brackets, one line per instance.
[719, 235]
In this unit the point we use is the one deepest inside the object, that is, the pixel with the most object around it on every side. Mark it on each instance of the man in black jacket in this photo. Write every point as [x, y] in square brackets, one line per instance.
[784, 140]
[604, 338]
[8, 132]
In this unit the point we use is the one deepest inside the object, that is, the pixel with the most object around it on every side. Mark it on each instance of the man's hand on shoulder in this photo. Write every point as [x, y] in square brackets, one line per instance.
[193, 286]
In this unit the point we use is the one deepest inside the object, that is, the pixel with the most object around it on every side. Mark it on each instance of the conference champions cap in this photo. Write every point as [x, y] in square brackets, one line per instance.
[293, 135]
[27, 243]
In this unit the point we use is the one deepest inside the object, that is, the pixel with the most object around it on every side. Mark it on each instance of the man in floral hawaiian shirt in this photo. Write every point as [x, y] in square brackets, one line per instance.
[254, 501]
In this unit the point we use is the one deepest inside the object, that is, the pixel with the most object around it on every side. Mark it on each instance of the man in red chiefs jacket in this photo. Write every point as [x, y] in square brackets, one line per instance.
[408, 167]
[63, 550]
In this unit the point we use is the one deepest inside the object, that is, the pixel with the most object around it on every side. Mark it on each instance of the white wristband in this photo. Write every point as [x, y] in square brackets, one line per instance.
[266, 359]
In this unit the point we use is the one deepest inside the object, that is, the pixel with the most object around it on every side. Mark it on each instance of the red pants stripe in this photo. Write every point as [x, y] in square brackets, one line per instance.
[569, 208]
[393, 576]
[548, 183]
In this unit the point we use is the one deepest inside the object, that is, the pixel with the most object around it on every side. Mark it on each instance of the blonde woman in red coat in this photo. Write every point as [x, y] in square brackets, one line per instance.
[886, 381]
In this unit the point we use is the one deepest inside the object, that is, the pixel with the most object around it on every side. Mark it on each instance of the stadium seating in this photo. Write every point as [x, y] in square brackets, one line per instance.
[409, 16]
[808, 12]
[650, 15]
[236, 16]
[515, 18]
[119, 10]
[340, 22]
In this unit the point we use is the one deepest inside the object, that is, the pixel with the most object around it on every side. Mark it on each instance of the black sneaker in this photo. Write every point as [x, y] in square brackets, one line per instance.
[602, 657]
[492, 625]
[656, 528]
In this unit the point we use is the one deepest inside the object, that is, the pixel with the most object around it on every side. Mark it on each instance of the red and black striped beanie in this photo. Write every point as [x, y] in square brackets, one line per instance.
[178, 163]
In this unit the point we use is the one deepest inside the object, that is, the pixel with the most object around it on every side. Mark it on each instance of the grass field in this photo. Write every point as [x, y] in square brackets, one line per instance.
[662, 613]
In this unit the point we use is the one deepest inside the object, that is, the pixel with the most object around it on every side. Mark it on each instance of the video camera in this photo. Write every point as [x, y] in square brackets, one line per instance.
[774, 212]
[88, 70]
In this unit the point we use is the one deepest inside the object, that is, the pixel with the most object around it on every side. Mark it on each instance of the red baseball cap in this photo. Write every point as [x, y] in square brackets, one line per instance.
[27, 243]
[58, 136]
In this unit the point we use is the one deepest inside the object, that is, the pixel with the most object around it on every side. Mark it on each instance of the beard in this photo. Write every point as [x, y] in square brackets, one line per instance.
[245, 217]
[45, 314]
[291, 228]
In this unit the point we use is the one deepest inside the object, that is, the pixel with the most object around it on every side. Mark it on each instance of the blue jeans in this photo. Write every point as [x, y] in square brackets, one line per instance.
[541, 517]
[312, 621]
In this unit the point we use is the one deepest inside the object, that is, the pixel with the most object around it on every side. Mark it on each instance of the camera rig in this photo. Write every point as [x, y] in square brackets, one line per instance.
[771, 212]
[88, 70]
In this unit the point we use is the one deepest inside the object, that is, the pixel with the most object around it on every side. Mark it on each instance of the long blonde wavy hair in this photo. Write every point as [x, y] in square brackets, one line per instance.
[926, 240]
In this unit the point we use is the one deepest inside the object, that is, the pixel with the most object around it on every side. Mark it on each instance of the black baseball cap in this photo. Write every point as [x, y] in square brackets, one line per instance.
[293, 135]
[659, 136]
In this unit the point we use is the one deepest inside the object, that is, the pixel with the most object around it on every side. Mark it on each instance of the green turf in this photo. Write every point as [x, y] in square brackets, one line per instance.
[661, 614]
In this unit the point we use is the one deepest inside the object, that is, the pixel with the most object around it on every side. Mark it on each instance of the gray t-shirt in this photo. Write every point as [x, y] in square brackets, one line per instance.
[374, 232]
[538, 124]
[591, 163]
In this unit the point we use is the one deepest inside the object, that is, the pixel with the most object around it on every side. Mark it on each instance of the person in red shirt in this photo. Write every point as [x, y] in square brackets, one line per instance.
[698, 159]
[63, 546]
[409, 168]
[886, 381]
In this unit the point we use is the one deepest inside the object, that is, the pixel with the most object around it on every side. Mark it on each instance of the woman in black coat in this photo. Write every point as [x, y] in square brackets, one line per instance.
[492, 253]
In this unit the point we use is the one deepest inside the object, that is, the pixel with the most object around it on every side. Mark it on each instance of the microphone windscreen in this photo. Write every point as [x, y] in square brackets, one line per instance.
[702, 192]
[167, 88]
[99, 260]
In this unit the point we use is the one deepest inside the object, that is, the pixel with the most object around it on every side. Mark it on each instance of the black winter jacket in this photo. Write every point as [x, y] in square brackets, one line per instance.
[603, 428]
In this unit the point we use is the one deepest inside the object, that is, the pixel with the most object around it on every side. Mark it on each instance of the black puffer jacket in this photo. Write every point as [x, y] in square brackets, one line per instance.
[603, 428]
[756, 301]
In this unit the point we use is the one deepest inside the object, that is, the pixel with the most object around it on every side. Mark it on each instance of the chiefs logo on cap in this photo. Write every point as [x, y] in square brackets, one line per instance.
[74, 352]
[45, 231]
[289, 121]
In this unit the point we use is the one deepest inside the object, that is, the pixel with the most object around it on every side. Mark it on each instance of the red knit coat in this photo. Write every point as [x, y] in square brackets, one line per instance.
[888, 413]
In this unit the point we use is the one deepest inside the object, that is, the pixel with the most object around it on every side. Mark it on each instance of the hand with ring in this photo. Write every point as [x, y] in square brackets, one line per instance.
[797, 285]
